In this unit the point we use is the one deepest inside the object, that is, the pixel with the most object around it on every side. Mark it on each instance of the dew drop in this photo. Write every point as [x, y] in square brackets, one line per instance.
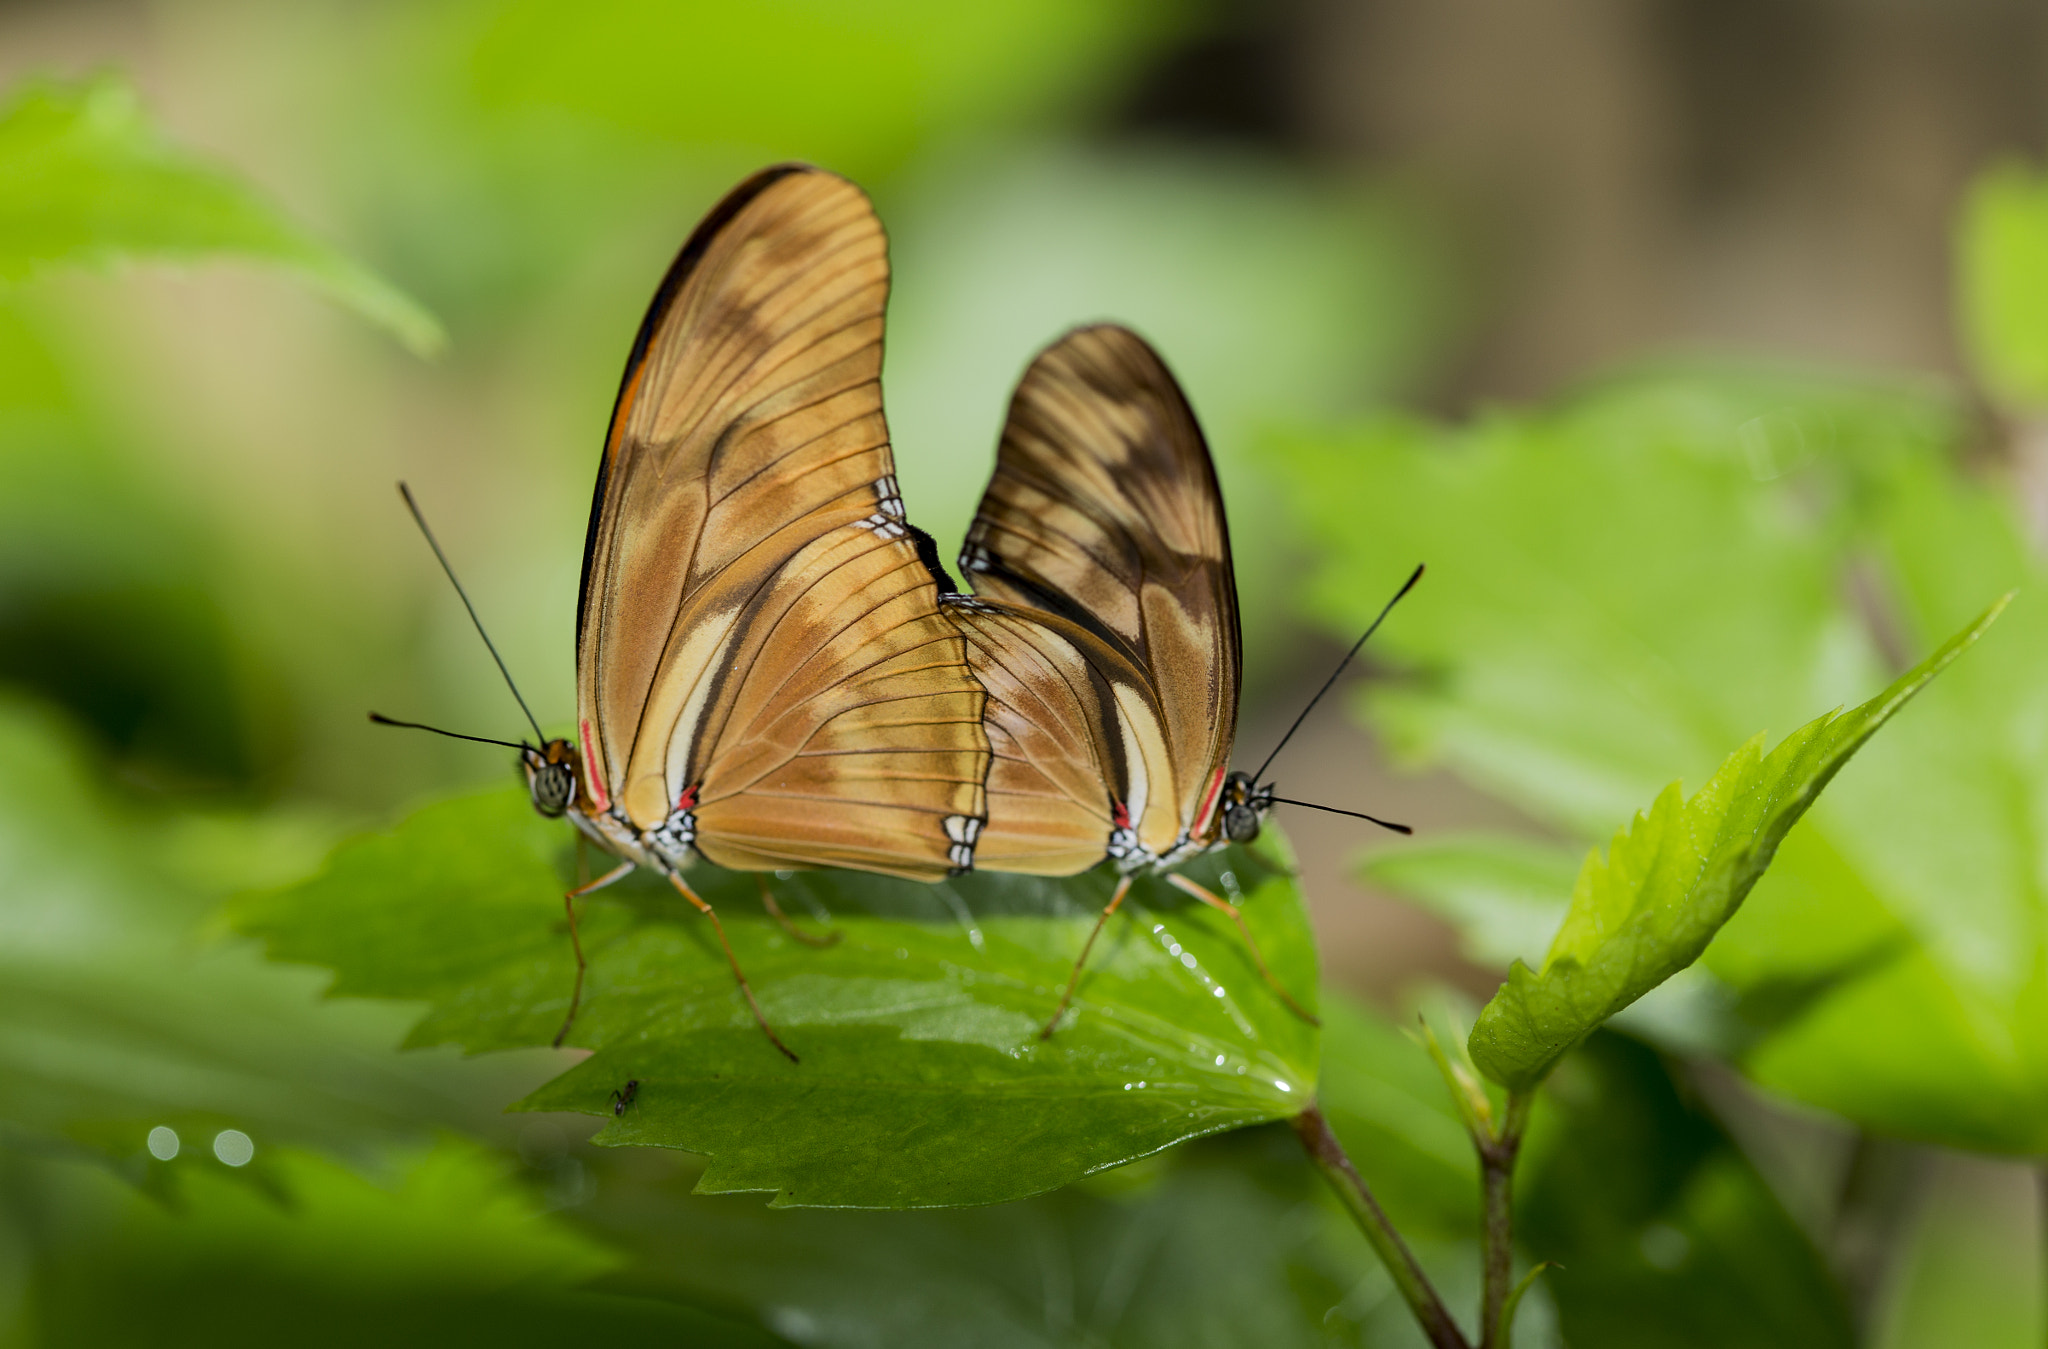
[233, 1147]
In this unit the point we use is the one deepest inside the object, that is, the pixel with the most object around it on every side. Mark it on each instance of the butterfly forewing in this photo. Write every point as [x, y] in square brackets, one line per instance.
[1107, 613]
[754, 608]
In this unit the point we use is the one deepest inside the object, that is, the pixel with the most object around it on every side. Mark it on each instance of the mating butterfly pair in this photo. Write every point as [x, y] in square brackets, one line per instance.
[774, 669]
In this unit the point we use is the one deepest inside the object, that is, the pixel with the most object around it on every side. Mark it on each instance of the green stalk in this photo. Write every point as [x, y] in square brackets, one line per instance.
[1497, 1154]
[1414, 1286]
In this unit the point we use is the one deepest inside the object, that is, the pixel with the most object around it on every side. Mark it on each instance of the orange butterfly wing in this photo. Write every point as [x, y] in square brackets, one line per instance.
[1104, 624]
[758, 626]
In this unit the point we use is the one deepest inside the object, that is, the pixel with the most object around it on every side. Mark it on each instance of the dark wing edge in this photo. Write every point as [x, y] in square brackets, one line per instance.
[672, 282]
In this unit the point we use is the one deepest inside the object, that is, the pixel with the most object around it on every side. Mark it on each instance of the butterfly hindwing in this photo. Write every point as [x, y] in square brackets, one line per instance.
[1104, 623]
[758, 637]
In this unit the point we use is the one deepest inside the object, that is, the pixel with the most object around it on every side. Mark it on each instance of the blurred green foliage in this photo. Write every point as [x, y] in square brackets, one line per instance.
[1650, 572]
[2002, 283]
[440, 1247]
[1669, 882]
[203, 582]
[807, 79]
[1677, 1244]
[86, 181]
[117, 1017]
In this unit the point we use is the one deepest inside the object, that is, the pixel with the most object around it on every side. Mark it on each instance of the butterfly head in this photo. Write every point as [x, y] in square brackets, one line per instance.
[1245, 804]
[550, 776]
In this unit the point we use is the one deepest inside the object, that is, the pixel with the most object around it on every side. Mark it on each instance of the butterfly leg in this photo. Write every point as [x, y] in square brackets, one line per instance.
[576, 942]
[1188, 887]
[783, 921]
[1123, 887]
[745, 988]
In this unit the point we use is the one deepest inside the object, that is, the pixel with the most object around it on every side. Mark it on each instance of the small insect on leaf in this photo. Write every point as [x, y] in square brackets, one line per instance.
[623, 1097]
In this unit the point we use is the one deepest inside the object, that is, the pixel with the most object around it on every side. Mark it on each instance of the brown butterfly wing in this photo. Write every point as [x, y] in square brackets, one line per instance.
[757, 622]
[1107, 635]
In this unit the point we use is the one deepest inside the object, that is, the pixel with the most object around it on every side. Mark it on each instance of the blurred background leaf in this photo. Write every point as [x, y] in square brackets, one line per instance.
[2002, 283]
[1645, 909]
[1457, 205]
[443, 1247]
[1668, 1243]
[85, 181]
[1567, 654]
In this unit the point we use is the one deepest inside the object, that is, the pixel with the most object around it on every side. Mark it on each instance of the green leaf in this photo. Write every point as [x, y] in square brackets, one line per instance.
[1672, 879]
[1504, 1327]
[86, 181]
[1661, 1234]
[1573, 650]
[116, 1018]
[1222, 1242]
[1504, 895]
[1227, 1240]
[923, 1080]
[1936, 1024]
[1623, 586]
[2002, 282]
[444, 1247]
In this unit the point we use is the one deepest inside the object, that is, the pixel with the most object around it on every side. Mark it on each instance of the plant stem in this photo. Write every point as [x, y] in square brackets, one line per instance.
[1329, 1156]
[1497, 1153]
[2041, 1175]
[1878, 1195]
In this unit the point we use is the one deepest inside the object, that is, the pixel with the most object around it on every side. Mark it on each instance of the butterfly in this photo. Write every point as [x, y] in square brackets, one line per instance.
[1103, 624]
[763, 674]
[774, 669]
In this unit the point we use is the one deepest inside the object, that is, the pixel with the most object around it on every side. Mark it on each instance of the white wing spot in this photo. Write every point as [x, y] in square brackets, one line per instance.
[962, 830]
[882, 526]
[891, 498]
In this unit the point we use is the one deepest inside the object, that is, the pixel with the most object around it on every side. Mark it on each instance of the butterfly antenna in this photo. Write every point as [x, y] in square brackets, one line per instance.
[434, 544]
[1354, 814]
[1388, 608]
[383, 720]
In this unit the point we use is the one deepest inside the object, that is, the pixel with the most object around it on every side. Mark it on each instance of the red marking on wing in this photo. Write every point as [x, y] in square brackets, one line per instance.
[688, 800]
[1120, 815]
[1208, 810]
[590, 773]
[625, 409]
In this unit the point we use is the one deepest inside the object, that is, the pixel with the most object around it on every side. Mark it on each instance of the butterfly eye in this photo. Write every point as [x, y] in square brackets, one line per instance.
[1240, 823]
[552, 783]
